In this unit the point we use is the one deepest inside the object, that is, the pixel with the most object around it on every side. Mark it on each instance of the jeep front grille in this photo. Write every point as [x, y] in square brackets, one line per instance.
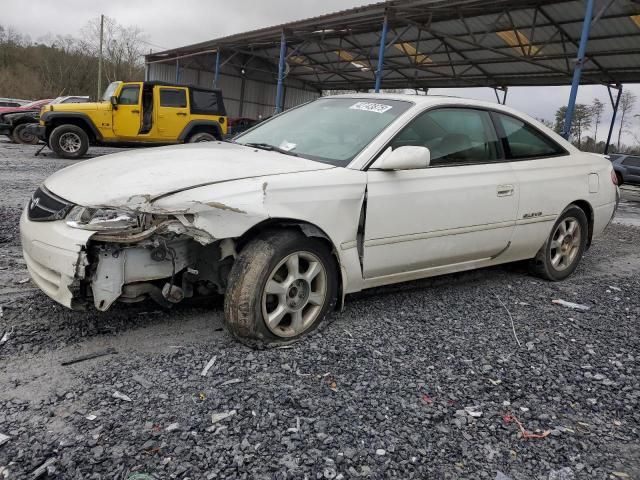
[46, 207]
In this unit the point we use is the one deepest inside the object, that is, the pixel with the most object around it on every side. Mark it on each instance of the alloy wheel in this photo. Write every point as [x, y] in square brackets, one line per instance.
[294, 294]
[70, 142]
[565, 243]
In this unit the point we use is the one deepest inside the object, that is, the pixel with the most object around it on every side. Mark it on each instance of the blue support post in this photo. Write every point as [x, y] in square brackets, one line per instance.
[216, 75]
[283, 54]
[177, 71]
[577, 71]
[383, 46]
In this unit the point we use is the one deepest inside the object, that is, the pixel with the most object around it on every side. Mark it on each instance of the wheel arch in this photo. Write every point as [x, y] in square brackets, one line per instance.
[78, 119]
[586, 207]
[197, 126]
[309, 230]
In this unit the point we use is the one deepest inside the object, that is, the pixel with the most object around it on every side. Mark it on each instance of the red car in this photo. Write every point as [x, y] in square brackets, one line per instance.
[33, 106]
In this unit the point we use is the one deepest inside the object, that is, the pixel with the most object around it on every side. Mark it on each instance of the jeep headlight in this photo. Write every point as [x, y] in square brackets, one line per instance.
[103, 219]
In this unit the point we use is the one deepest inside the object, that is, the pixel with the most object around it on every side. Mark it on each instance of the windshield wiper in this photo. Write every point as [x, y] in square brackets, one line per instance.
[271, 148]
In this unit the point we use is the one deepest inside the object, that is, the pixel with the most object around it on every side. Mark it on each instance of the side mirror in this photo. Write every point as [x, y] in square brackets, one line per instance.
[403, 158]
[114, 102]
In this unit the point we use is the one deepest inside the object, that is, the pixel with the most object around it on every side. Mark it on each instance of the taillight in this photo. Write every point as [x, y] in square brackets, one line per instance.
[614, 177]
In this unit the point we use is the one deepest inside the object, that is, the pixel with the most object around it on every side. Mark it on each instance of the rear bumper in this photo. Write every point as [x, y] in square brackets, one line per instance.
[55, 255]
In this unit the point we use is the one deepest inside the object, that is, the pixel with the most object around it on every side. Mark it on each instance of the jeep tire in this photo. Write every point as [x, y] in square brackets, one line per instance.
[202, 137]
[69, 141]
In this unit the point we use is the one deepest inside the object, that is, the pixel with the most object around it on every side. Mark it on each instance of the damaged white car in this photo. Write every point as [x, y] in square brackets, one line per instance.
[332, 197]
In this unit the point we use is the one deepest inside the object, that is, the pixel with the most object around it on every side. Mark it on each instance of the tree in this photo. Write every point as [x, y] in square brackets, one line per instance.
[597, 109]
[65, 65]
[627, 102]
[546, 123]
[122, 48]
[581, 121]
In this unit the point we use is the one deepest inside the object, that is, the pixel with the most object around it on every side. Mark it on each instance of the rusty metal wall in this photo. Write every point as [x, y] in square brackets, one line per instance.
[259, 94]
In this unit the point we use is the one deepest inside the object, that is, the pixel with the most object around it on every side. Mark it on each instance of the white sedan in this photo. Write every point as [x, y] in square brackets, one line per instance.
[332, 197]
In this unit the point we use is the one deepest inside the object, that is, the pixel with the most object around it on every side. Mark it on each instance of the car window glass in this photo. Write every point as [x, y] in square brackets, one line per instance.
[632, 161]
[453, 135]
[173, 97]
[330, 130]
[129, 95]
[524, 141]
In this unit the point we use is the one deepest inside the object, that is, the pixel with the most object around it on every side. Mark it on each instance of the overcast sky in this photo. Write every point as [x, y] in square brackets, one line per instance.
[169, 24]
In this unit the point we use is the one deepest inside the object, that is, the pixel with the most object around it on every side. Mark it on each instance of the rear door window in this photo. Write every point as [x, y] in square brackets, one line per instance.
[522, 141]
[173, 97]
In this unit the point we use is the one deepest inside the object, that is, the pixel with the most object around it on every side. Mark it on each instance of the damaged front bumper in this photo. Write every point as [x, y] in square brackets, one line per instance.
[56, 257]
[74, 266]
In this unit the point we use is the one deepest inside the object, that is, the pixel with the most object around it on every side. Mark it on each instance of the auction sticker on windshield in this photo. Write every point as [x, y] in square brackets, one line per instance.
[371, 107]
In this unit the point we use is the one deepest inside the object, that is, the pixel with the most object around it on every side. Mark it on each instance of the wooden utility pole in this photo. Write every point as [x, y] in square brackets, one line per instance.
[100, 59]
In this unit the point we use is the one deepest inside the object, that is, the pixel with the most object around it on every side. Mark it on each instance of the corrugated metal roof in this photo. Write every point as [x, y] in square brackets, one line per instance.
[466, 42]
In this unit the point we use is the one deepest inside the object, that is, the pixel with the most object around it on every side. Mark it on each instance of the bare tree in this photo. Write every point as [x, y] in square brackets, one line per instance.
[597, 109]
[627, 102]
[123, 48]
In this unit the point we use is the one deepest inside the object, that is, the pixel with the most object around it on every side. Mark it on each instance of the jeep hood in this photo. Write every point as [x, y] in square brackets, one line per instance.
[125, 179]
[77, 107]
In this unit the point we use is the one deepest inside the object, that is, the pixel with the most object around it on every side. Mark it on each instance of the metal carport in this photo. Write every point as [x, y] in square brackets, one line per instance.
[418, 44]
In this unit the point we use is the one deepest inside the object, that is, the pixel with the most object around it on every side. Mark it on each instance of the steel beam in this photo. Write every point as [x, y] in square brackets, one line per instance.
[177, 71]
[614, 104]
[281, 63]
[383, 46]
[577, 71]
[216, 75]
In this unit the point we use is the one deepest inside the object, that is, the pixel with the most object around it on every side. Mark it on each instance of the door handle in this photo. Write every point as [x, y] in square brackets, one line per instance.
[181, 113]
[135, 111]
[504, 190]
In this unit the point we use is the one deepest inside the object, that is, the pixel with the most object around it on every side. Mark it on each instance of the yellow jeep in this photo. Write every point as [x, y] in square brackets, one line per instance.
[134, 112]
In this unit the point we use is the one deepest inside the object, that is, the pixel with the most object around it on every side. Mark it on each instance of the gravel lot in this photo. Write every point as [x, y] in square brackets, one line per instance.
[420, 380]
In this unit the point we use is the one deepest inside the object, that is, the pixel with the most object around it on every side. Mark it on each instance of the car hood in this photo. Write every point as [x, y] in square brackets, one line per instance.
[130, 178]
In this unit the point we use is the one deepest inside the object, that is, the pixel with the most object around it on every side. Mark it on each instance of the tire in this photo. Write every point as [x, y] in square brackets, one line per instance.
[69, 141]
[561, 253]
[264, 266]
[202, 137]
[20, 135]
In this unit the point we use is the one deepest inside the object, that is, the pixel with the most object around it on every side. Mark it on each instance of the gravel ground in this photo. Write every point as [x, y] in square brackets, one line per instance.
[420, 380]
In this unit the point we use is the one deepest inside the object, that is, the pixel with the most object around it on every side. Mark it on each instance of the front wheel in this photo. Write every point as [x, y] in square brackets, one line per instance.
[69, 141]
[20, 134]
[561, 253]
[283, 285]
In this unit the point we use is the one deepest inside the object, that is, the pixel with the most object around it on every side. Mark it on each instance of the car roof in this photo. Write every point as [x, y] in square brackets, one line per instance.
[428, 100]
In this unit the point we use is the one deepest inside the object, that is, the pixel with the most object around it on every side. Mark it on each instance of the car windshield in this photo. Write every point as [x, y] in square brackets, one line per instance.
[108, 93]
[329, 130]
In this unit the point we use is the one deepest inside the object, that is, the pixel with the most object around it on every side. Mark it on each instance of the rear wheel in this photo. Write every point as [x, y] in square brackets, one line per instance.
[21, 135]
[69, 141]
[283, 285]
[202, 137]
[561, 253]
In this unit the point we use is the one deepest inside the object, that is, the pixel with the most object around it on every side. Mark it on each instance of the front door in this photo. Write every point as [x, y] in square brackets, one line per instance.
[126, 116]
[461, 209]
[173, 111]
